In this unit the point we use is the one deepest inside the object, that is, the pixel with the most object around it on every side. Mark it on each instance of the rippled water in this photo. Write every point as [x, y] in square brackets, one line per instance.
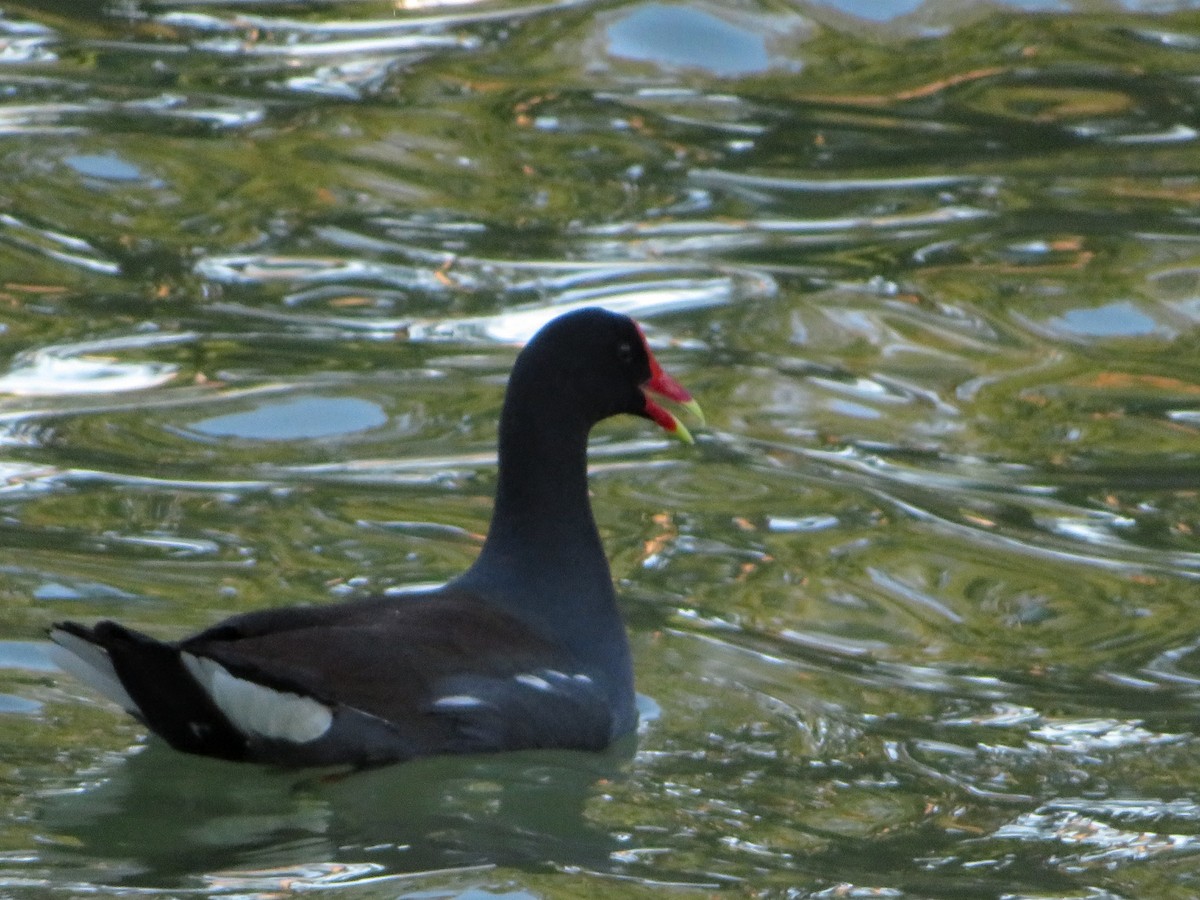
[918, 617]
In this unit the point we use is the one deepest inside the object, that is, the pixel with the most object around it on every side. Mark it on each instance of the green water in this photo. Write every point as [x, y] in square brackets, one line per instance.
[917, 617]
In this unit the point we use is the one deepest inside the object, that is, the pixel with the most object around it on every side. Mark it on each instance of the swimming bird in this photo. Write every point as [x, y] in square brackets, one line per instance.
[524, 650]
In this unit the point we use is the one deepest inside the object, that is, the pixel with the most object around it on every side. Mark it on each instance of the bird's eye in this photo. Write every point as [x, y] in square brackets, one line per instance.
[625, 352]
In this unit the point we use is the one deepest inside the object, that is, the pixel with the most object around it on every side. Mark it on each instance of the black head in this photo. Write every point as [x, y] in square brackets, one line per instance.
[596, 363]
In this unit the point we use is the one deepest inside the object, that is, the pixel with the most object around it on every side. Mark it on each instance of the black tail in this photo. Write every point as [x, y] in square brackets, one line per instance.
[168, 699]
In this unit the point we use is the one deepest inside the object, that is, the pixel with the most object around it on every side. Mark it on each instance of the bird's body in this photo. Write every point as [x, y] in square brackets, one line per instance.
[524, 650]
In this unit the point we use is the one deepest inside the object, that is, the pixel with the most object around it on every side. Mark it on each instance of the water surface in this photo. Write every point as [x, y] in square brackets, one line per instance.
[917, 617]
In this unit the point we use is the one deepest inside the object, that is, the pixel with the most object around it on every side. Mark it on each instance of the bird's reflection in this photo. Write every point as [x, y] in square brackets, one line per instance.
[159, 818]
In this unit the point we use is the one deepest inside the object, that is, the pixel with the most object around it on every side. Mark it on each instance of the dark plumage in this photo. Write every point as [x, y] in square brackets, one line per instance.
[526, 649]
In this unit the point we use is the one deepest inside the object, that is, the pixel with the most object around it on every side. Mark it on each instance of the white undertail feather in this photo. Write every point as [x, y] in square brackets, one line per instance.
[458, 701]
[533, 681]
[255, 709]
[89, 663]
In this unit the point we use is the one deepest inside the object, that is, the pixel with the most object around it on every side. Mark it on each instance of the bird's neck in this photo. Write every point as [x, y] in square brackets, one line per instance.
[543, 560]
[543, 537]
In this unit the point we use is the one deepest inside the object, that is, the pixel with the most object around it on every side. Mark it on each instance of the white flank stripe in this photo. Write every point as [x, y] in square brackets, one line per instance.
[457, 701]
[256, 709]
[533, 681]
[91, 665]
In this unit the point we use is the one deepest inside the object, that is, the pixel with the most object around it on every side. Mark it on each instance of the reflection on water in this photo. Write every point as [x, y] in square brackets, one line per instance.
[918, 611]
[229, 826]
[677, 36]
[1112, 320]
[296, 419]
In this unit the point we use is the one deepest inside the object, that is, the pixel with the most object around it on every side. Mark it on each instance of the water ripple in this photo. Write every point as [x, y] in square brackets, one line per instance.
[53, 244]
[292, 50]
[634, 287]
[78, 369]
[50, 376]
[742, 656]
[257, 269]
[62, 117]
[1096, 842]
[671, 237]
[1172, 40]
[765, 183]
[1170, 666]
[310, 876]
[27, 478]
[348, 80]
[247, 23]
[1140, 809]
[26, 42]
[1083, 736]
[366, 50]
[641, 300]
[19, 50]
[1053, 518]
[646, 298]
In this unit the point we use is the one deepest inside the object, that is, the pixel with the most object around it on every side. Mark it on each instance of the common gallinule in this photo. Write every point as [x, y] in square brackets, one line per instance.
[524, 650]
